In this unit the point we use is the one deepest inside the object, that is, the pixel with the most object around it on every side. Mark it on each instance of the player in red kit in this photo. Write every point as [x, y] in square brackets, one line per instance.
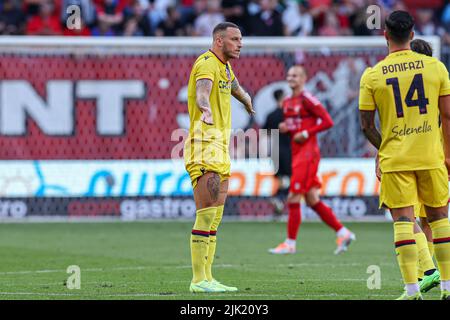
[304, 117]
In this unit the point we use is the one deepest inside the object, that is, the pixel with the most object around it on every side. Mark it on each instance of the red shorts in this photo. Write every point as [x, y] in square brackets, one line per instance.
[304, 176]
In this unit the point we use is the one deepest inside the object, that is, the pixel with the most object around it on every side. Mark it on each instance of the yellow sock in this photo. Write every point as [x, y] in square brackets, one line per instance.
[425, 261]
[420, 271]
[406, 249]
[431, 249]
[200, 241]
[441, 244]
[212, 242]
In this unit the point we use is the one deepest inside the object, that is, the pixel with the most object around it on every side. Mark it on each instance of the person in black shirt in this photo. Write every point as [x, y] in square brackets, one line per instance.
[284, 157]
[236, 11]
[12, 19]
[268, 21]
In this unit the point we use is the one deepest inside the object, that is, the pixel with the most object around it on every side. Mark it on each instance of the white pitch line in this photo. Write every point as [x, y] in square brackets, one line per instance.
[119, 284]
[293, 280]
[107, 269]
[332, 265]
[125, 268]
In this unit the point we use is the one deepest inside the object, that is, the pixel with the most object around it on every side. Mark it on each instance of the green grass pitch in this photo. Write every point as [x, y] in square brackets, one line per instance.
[151, 260]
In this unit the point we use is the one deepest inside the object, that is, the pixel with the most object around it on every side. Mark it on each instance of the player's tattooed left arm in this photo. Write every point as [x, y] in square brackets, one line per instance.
[367, 120]
[242, 96]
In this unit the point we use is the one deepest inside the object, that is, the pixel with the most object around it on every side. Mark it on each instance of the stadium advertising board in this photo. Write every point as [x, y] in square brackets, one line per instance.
[172, 207]
[127, 178]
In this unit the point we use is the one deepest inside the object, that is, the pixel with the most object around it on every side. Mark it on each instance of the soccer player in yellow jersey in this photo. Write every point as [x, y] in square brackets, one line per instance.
[427, 273]
[211, 85]
[410, 91]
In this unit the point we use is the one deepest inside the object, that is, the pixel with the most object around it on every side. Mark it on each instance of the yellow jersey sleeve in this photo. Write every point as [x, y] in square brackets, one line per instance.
[445, 82]
[204, 70]
[366, 101]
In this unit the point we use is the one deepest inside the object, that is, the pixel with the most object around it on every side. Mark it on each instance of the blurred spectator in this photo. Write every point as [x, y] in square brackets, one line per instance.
[158, 11]
[46, 22]
[12, 19]
[399, 5]
[31, 7]
[205, 22]
[425, 26]
[331, 25]
[387, 4]
[172, 26]
[187, 3]
[446, 22]
[296, 18]
[236, 11]
[110, 16]
[87, 10]
[103, 29]
[358, 19]
[137, 22]
[317, 9]
[190, 14]
[162, 5]
[343, 10]
[253, 7]
[268, 21]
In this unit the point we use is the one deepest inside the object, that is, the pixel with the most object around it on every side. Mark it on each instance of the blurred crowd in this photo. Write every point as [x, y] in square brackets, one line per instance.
[198, 17]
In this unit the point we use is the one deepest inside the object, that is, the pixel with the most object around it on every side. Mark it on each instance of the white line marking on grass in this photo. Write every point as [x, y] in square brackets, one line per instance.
[108, 269]
[37, 294]
[293, 280]
[332, 265]
[125, 268]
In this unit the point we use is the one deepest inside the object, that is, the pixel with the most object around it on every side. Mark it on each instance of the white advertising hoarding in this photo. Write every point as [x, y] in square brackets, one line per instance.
[118, 178]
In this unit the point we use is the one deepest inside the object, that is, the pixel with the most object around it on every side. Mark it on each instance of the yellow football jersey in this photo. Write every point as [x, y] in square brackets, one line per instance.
[208, 144]
[405, 89]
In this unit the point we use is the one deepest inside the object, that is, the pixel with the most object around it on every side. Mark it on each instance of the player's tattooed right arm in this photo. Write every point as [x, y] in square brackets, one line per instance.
[367, 119]
[202, 92]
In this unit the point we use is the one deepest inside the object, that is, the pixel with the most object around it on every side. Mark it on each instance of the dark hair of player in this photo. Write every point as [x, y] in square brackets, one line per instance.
[278, 94]
[223, 26]
[422, 47]
[399, 25]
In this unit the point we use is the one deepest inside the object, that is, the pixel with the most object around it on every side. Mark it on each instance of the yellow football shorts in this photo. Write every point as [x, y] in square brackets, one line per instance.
[419, 211]
[201, 157]
[196, 170]
[408, 188]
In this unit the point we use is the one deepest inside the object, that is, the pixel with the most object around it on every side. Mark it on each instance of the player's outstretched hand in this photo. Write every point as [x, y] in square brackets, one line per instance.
[249, 108]
[301, 137]
[206, 116]
[377, 167]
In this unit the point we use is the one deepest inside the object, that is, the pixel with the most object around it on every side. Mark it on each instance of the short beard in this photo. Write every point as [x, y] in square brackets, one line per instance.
[228, 55]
